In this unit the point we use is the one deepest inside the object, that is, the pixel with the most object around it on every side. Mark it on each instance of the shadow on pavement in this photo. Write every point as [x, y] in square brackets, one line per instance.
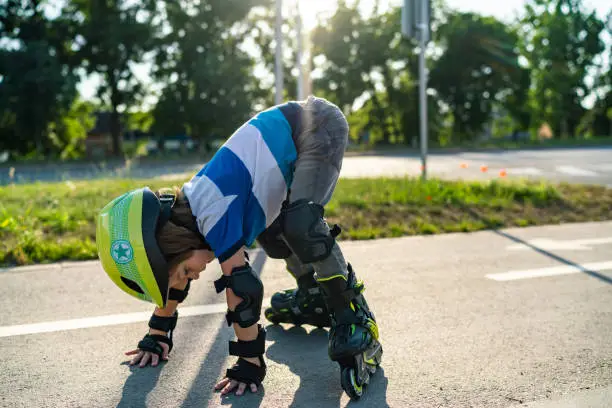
[201, 390]
[305, 353]
[518, 240]
[138, 386]
[554, 256]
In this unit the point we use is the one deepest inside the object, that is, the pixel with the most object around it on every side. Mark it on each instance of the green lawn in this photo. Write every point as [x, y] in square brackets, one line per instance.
[56, 221]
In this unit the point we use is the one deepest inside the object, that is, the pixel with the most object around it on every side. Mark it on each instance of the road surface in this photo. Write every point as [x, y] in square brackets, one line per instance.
[591, 165]
[575, 165]
[510, 318]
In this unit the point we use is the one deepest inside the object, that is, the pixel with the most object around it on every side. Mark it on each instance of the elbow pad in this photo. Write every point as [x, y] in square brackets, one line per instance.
[246, 285]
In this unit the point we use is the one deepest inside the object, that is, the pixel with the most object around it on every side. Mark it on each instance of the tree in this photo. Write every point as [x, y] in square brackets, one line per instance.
[113, 36]
[478, 68]
[337, 46]
[69, 131]
[602, 109]
[365, 59]
[209, 82]
[561, 40]
[37, 83]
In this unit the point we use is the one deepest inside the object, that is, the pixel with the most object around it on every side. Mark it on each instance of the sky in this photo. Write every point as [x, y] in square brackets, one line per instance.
[505, 10]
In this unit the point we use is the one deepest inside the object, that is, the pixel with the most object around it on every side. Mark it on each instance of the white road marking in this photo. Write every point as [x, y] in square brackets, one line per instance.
[523, 170]
[604, 167]
[552, 271]
[552, 244]
[109, 320]
[576, 171]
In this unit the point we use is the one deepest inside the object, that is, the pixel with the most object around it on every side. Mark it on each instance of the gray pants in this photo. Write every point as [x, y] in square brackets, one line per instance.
[320, 150]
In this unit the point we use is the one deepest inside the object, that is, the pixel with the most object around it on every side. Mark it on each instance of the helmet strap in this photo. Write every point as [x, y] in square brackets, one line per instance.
[167, 202]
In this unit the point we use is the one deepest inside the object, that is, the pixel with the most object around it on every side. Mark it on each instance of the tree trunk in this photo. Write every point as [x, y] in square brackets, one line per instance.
[380, 116]
[115, 125]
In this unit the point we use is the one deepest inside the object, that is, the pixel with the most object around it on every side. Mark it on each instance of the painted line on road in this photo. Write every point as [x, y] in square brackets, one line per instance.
[604, 167]
[515, 171]
[576, 171]
[108, 320]
[551, 271]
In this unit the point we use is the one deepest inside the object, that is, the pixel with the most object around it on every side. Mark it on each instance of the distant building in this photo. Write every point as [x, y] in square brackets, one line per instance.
[99, 142]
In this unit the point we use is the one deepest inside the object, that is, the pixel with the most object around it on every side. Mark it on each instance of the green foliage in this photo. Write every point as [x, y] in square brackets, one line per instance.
[210, 87]
[70, 130]
[205, 55]
[561, 40]
[37, 83]
[367, 58]
[262, 21]
[114, 35]
[479, 65]
[140, 120]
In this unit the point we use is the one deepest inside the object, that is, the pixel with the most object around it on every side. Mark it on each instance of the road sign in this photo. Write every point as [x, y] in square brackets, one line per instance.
[415, 24]
[414, 14]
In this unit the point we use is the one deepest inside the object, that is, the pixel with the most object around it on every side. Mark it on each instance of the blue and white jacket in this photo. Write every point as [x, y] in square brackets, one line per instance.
[239, 192]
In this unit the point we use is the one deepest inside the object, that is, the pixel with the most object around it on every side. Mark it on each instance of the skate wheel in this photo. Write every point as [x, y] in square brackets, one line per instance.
[350, 383]
[272, 318]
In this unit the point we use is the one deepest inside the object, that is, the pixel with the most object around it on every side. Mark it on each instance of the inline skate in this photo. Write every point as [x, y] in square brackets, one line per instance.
[353, 338]
[301, 305]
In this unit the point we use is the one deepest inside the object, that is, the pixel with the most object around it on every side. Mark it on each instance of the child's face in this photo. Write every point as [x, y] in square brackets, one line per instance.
[191, 267]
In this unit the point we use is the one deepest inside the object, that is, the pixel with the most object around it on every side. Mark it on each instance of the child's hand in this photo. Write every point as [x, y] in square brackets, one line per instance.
[145, 356]
[226, 385]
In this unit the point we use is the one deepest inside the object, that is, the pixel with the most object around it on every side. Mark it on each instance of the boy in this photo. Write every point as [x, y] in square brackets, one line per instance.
[269, 182]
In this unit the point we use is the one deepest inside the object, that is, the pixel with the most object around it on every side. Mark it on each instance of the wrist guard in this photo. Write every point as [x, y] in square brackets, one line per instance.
[243, 370]
[166, 324]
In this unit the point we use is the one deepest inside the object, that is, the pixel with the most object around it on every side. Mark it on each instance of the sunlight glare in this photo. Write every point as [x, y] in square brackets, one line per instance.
[310, 9]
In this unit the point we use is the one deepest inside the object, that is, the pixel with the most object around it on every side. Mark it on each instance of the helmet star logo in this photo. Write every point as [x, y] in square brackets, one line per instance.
[122, 251]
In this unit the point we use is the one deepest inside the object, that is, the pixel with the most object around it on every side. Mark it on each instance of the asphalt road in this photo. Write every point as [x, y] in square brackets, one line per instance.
[575, 165]
[488, 319]
[591, 165]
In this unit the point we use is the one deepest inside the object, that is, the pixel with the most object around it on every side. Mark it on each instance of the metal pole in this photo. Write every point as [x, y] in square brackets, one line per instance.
[278, 36]
[300, 81]
[422, 93]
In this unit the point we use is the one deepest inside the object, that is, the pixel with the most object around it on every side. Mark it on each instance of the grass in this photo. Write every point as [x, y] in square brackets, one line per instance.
[51, 222]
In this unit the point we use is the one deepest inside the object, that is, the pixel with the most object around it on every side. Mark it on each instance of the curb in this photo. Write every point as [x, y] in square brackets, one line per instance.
[50, 266]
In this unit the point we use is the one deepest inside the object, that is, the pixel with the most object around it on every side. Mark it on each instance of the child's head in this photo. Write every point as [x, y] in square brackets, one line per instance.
[180, 241]
[149, 241]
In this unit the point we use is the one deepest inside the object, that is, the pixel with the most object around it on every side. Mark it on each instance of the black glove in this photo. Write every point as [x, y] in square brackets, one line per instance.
[243, 370]
[166, 324]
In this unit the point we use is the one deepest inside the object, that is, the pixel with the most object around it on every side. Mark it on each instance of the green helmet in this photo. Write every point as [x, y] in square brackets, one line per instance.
[127, 246]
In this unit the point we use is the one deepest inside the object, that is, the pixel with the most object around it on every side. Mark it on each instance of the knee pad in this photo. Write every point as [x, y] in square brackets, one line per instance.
[246, 285]
[306, 232]
[272, 243]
